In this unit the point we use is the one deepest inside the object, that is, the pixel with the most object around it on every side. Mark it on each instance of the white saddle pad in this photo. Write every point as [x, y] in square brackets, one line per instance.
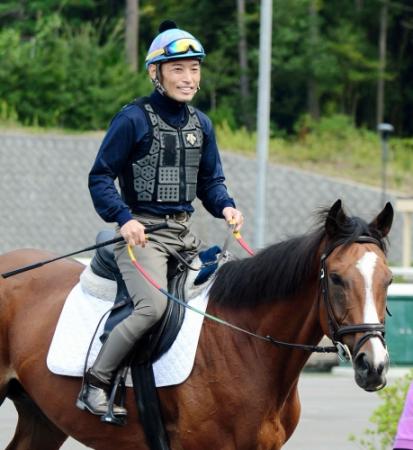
[78, 321]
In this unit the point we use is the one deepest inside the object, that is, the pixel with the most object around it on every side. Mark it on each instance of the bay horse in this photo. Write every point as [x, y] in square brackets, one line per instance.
[242, 393]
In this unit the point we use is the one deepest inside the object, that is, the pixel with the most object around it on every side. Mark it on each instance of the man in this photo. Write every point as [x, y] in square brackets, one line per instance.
[164, 154]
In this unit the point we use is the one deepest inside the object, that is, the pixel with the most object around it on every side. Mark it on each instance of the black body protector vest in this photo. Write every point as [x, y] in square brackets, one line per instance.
[168, 173]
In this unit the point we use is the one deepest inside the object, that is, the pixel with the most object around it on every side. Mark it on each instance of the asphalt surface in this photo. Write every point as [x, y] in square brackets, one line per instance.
[333, 407]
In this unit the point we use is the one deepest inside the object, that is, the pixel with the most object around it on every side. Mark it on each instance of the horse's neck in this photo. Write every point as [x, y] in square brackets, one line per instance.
[276, 368]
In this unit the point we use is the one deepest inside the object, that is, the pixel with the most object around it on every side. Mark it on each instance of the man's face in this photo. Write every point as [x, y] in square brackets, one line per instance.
[180, 78]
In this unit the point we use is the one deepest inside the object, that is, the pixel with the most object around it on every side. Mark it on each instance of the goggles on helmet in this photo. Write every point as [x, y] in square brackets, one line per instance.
[178, 47]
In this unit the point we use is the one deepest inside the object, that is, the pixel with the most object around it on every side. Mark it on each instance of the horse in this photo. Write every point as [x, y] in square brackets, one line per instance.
[242, 393]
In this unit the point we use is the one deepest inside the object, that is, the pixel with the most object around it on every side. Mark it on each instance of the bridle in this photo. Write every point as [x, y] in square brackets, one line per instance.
[337, 331]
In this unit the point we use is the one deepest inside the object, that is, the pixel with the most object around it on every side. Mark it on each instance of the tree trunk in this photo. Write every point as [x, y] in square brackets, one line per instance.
[243, 63]
[131, 33]
[382, 61]
[359, 5]
[213, 99]
[312, 86]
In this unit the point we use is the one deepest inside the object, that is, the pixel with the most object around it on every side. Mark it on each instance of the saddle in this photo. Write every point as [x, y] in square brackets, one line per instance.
[156, 341]
[152, 346]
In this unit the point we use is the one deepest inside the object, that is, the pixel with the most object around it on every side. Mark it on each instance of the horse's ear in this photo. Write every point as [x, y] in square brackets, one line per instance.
[383, 222]
[335, 217]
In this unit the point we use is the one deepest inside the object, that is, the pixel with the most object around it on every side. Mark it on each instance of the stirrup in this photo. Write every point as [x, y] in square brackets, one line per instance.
[109, 416]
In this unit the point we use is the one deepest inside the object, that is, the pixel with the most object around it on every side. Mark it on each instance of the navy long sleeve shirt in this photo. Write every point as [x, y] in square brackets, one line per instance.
[128, 129]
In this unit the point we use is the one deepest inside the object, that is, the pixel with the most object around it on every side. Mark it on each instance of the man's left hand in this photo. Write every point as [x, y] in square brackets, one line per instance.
[233, 217]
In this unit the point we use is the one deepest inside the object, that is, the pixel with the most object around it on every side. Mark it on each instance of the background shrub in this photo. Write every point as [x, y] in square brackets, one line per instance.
[386, 416]
[65, 76]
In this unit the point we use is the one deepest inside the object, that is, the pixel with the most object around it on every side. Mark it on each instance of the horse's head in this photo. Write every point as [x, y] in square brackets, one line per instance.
[354, 280]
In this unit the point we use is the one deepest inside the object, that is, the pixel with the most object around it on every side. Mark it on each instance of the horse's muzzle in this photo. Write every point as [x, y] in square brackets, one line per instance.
[370, 374]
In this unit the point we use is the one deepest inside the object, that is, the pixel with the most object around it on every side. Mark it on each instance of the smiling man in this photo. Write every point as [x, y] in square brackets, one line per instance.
[164, 154]
[180, 78]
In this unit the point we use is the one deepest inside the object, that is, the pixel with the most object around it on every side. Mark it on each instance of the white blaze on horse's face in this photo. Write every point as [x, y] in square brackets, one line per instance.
[366, 266]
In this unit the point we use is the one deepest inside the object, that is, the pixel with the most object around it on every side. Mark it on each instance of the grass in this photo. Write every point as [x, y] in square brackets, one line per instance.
[333, 148]
[15, 127]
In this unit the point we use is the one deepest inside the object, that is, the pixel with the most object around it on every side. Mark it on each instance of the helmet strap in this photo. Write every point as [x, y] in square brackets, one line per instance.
[157, 80]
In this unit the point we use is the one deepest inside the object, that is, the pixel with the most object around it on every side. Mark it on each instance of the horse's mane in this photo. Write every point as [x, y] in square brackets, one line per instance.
[284, 268]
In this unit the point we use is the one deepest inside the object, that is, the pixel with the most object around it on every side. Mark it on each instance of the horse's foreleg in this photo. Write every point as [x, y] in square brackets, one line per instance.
[290, 413]
[34, 430]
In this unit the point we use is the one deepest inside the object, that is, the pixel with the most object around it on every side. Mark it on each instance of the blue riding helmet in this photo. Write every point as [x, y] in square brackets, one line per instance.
[174, 44]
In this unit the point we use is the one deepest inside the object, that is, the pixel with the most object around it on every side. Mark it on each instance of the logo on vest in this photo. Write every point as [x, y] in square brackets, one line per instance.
[191, 138]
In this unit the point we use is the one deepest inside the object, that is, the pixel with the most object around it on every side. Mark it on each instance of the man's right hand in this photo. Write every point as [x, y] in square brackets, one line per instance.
[134, 233]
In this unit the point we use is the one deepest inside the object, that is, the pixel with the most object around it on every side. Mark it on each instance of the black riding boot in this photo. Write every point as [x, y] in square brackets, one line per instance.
[95, 394]
[95, 397]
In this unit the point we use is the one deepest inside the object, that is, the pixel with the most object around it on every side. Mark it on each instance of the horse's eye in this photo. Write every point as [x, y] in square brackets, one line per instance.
[336, 279]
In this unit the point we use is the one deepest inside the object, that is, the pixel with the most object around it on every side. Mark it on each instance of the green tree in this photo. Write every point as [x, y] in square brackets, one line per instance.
[64, 76]
[325, 57]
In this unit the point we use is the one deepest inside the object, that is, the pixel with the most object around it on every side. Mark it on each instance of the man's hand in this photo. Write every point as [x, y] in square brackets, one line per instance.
[233, 217]
[134, 233]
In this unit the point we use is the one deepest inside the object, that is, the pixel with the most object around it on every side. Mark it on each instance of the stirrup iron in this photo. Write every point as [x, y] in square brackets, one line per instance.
[118, 386]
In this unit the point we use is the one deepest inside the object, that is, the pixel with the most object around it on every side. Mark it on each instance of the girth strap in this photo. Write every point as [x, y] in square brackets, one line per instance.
[147, 400]
[146, 394]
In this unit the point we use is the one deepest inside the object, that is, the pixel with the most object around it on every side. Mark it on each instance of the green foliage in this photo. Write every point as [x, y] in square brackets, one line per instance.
[385, 417]
[240, 140]
[65, 77]
[62, 60]
[334, 146]
[224, 116]
[8, 115]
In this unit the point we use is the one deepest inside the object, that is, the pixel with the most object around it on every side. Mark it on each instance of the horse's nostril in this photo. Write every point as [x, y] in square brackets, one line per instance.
[380, 368]
[362, 363]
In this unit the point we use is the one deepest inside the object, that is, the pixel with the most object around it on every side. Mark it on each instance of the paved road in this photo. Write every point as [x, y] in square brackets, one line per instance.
[332, 408]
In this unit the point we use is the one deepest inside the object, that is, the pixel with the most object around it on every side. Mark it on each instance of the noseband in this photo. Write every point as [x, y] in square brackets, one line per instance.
[337, 331]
